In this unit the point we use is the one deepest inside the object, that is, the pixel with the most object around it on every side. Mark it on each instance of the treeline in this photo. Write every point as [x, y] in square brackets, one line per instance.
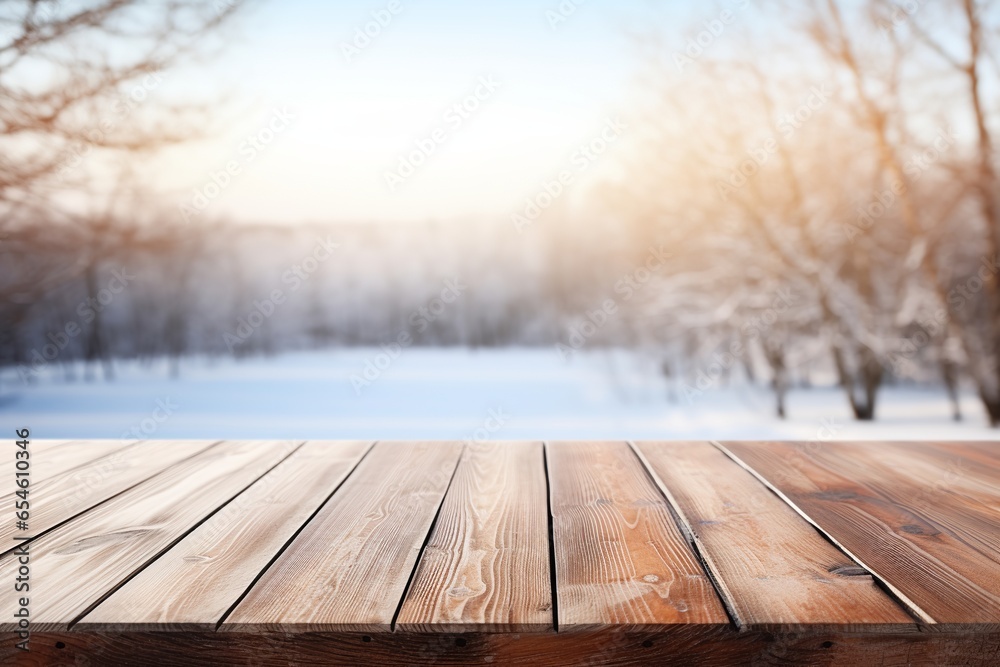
[844, 154]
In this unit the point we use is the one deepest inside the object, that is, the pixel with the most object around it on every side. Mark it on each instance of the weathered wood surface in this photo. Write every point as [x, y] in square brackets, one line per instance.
[195, 583]
[50, 458]
[596, 553]
[908, 521]
[772, 567]
[349, 567]
[486, 565]
[718, 646]
[59, 497]
[77, 564]
[620, 558]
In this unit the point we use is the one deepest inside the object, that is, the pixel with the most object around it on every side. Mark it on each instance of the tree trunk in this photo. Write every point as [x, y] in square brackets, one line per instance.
[949, 374]
[861, 385]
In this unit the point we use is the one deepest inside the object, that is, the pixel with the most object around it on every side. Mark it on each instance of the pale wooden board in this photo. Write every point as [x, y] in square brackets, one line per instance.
[193, 585]
[41, 446]
[620, 558]
[348, 568]
[49, 460]
[775, 569]
[77, 564]
[58, 498]
[486, 565]
[916, 536]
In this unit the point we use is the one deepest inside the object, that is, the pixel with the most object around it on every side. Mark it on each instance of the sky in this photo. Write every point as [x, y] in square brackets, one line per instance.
[355, 128]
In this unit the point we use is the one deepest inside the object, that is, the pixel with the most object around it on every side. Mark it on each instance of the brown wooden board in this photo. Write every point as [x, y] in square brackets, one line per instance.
[57, 498]
[774, 568]
[76, 565]
[349, 567]
[195, 583]
[918, 538]
[620, 558]
[437, 554]
[486, 566]
[714, 646]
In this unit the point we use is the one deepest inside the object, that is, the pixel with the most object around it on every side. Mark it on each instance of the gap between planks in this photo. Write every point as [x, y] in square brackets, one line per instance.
[180, 537]
[910, 607]
[696, 547]
[209, 444]
[901, 598]
[288, 542]
[551, 538]
[427, 539]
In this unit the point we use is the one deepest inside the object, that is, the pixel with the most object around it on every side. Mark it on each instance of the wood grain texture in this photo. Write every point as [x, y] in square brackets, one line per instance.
[620, 558]
[349, 567]
[962, 472]
[45, 445]
[193, 585]
[50, 458]
[718, 646]
[486, 565]
[57, 498]
[774, 568]
[77, 564]
[898, 517]
[981, 453]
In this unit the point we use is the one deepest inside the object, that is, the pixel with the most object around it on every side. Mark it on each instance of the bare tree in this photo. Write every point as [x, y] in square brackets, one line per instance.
[71, 75]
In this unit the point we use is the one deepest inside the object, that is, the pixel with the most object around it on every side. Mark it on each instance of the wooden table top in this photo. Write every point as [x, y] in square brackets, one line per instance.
[599, 553]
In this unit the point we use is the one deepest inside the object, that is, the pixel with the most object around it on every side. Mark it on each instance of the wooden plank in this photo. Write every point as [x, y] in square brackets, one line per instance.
[349, 567]
[56, 499]
[949, 494]
[193, 585]
[79, 563]
[981, 453]
[773, 567]
[41, 446]
[47, 461]
[950, 467]
[720, 646]
[620, 558]
[486, 565]
[914, 537]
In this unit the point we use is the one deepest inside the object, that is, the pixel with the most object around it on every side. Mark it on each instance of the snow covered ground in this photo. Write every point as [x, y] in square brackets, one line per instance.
[449, 394]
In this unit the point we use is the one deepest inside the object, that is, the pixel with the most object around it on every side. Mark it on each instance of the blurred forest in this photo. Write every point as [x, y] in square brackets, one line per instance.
[823, 185]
